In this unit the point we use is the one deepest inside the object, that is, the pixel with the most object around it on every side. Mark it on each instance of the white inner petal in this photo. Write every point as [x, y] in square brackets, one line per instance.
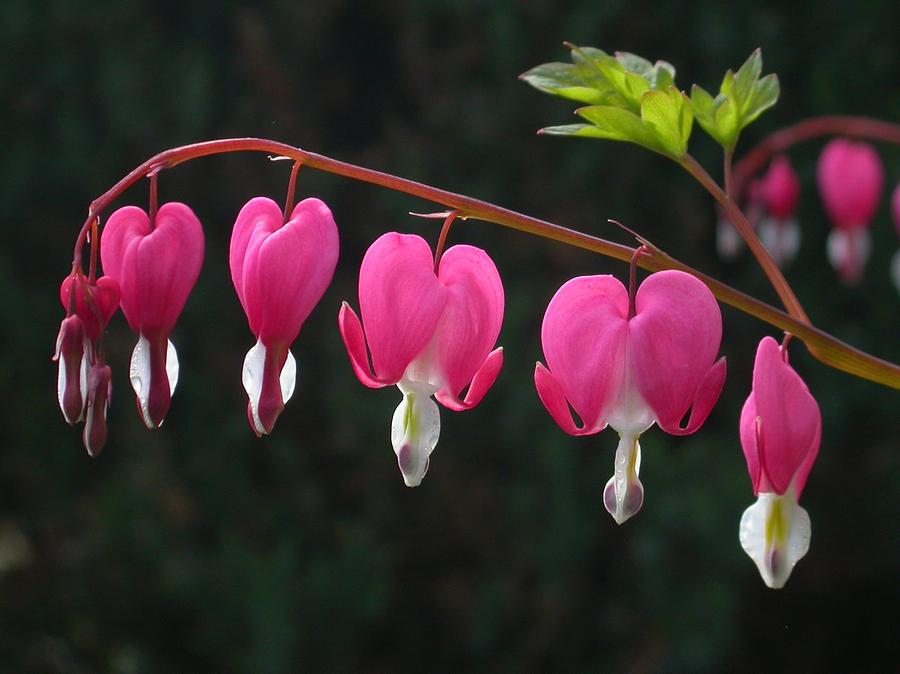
[623, 495]
[775, 533]
[139, 373]
[252, 379]
[415, 430]
[781, 238]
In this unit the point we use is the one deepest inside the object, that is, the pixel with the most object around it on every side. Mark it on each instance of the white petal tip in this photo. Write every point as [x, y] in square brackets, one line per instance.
[775, 533]
[415, 429]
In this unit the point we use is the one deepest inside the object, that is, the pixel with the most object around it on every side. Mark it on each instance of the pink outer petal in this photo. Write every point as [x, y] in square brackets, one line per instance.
[287, 270]
[789, 423]
[470, 323]
[95, 314]
[400, 301]
[154, 269]
[551, 393]
[256, 220]
[675, 337]
[749, 432]
[482, 381]
[355, 342]
[781, 188]
[851, 178]
[583, 336]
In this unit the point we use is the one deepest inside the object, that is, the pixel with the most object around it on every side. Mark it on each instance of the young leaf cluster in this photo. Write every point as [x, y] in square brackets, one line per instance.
[743, 96]
[631, 99]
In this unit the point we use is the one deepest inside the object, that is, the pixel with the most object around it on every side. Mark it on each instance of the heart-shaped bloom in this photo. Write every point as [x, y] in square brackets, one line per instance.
[629, 372]
[156, 265]
[89, 308]
[280, 271]
[778, 230]
[851, 179]
[430, 334]
[780, 432]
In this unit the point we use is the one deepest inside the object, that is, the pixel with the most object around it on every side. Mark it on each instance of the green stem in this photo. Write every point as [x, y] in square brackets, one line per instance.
[823, 346]
[745, 229]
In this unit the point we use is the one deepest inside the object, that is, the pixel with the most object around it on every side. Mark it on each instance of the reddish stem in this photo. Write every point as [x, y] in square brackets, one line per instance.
[292, 183]
[442, 239]
[831, 125]
[153, 198]
[823, 346]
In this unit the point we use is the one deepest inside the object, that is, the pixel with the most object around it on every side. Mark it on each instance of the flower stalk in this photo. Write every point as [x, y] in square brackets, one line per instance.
[823, 346]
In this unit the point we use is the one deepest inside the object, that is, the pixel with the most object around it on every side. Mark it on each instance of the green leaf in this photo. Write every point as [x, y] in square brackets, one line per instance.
[743, 97]
[616, 124]
[661, 75]
[746, 77]
[569, 81]
[668, 117]
[765, 95]
[633, 63]
[585, 130]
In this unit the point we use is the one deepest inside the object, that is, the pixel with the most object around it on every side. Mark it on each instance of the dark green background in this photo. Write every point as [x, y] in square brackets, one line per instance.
[199, 548]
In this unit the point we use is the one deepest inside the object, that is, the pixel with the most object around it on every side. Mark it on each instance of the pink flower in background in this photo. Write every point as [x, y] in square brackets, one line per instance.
[429, 333]
[79, 335]
[156, 265]
[780, 432]
[850, 179]
[630, 367]
[778, 230]
[280, 271]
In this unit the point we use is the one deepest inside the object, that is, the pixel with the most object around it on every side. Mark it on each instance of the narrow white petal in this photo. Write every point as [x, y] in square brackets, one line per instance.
[252, 378]
[415, 430]
[623, 495]
[728, 241]
[139, 373]
[848, 251]
[288, 377]
[775, 533]
[171, 366]
[781, 238]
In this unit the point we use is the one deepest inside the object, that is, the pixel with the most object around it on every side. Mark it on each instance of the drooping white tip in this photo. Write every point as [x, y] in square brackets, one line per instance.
[415, 430]
[252, 379]
[781, 238]
[140, 374]
[623, 495]
[775, 533]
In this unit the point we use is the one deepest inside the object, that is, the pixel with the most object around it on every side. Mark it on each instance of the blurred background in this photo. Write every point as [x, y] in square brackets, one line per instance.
[200, 548]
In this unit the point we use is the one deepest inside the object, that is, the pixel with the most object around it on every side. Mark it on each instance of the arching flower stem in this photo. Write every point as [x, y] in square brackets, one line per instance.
[823, 346]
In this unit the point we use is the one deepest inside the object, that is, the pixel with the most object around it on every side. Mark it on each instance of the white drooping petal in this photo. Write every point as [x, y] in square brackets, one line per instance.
[252, 379]
[415, 430]
[848, 251]
[62, 380]
[781, 238]
[139, 373]
[775, 533]
[623, 495]
[728, 241]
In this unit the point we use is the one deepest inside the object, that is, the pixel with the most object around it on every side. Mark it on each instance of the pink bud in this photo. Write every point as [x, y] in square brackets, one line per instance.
[780, 432]
[280, 271]
[780, 424]
[850, 179]
[156, 265]
[781, 188]
[94, 304]
[72, 354]
[99, 391]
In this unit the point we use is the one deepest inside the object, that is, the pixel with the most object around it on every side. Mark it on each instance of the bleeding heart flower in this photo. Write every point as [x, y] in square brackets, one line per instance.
[851, 179]
[280, 271]
[99, 392]
[778, 230]
[156, 265]
[780, 432]
[429, 333]
[89, 309]
[629, 366]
